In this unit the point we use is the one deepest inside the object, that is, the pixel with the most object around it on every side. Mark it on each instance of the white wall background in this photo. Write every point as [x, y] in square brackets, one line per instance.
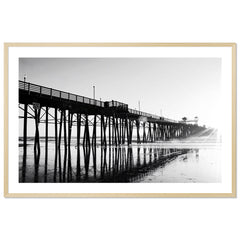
[112, 21]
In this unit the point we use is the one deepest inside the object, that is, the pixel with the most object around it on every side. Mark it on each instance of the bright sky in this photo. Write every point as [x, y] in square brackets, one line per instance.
[176, 86]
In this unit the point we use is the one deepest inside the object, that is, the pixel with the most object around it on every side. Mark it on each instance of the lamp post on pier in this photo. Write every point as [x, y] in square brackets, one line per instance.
[24, 79]
[94, 92]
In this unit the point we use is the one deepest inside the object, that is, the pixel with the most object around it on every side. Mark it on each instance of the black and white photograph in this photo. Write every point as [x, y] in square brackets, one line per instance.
[119, 120]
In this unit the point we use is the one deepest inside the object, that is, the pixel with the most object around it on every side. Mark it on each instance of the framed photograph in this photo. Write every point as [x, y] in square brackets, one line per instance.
[120, 120]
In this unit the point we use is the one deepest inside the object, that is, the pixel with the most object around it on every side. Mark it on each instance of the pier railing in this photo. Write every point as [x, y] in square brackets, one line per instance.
[30, 87]
[144, 114]
[54, 93]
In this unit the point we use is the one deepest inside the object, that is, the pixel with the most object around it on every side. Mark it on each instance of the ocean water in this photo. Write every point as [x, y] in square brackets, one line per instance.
[192, 160]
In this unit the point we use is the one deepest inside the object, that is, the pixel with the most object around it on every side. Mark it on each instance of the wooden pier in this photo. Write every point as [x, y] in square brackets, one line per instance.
[111, 121]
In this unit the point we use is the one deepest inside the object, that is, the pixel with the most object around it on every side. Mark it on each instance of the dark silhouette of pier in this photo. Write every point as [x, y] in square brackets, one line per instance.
[111, 121]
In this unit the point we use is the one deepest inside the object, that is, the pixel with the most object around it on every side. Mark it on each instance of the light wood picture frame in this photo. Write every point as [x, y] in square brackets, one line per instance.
[103, 61]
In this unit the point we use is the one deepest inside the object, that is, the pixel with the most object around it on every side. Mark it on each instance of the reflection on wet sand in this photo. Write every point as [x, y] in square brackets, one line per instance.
[101, 164]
